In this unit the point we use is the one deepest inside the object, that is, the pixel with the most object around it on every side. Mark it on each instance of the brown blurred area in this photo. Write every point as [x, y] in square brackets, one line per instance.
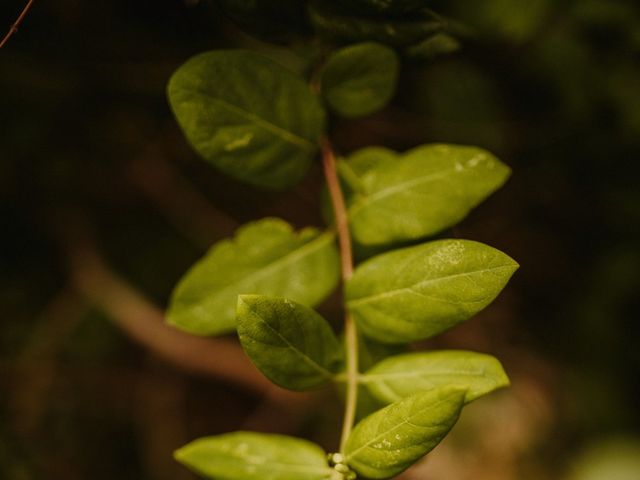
[104, 206]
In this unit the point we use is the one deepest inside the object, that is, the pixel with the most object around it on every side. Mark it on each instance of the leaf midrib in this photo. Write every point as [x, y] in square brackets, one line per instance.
[277, 130]
[275, 465]
[308, 360]
[391, 293]
[368, 200]
[373, 377]
[290, 257]
[404, 422]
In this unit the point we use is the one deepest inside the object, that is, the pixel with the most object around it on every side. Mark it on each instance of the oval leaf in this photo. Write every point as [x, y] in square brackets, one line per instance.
[247, 115]
[360, 79]
[401, 376]
[417, 292]
[254, 456]
[291, 344]
[392, 439]
[420, 193]
[265, 257]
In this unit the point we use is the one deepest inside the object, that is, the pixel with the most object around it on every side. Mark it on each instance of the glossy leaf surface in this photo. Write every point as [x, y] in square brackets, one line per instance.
[291, 344]
[392, 439]
[247, 115]
[254, 456]
[404, 375]
[417, 194]
[265, 257]
[417, 292]
[360, 79]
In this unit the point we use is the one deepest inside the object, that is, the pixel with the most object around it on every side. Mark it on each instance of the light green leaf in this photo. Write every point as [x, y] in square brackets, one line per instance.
[291, 344]
[248, 116]
[417, 292]
[339, 22]
[254, 456]
[401, 376]
[265, 257]
[411, 196]
[392, 439]
[360, 79]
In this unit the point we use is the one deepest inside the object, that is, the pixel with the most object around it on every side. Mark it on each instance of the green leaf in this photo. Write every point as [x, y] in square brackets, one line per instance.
[265, 257]
[360, 79]
[411, 196]
[340, 23]
[439, 44]
[417, 292]
[291, 344]
[401, 376]
[248, 116]
[392, 439]
[254, 456]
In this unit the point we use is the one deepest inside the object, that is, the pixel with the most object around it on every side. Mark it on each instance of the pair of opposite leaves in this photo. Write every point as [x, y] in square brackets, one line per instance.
[261, 123]
[380, 446]
[435, 285]
[296, 348]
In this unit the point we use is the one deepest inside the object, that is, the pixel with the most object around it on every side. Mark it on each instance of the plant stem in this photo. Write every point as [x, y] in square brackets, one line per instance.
[346, 257]
[14, 27]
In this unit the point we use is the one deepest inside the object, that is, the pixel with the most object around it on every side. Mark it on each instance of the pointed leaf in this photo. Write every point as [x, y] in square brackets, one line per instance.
[360, 79]
[254, 456]
[248, 116]
[420, 193]
[438, 45]
[291, 344]
[401, 376]
[265, 257]
[417, 292]
[392, 439]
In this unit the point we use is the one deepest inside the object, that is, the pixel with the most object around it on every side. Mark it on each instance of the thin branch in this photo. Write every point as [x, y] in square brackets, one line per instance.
[14, 28]
[346, 257]
[144, 323]
[339, 208]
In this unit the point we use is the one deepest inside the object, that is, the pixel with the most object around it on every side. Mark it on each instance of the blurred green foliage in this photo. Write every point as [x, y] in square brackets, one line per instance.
[552, 87]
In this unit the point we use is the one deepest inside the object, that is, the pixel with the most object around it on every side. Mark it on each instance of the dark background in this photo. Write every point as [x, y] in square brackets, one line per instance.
[102, 200]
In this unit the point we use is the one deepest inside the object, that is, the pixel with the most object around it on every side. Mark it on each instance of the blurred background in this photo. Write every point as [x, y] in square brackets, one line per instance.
[104, 206]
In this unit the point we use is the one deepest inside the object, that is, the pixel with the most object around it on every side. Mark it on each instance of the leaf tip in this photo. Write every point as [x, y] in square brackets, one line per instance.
[245, 302]
[181, 455]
